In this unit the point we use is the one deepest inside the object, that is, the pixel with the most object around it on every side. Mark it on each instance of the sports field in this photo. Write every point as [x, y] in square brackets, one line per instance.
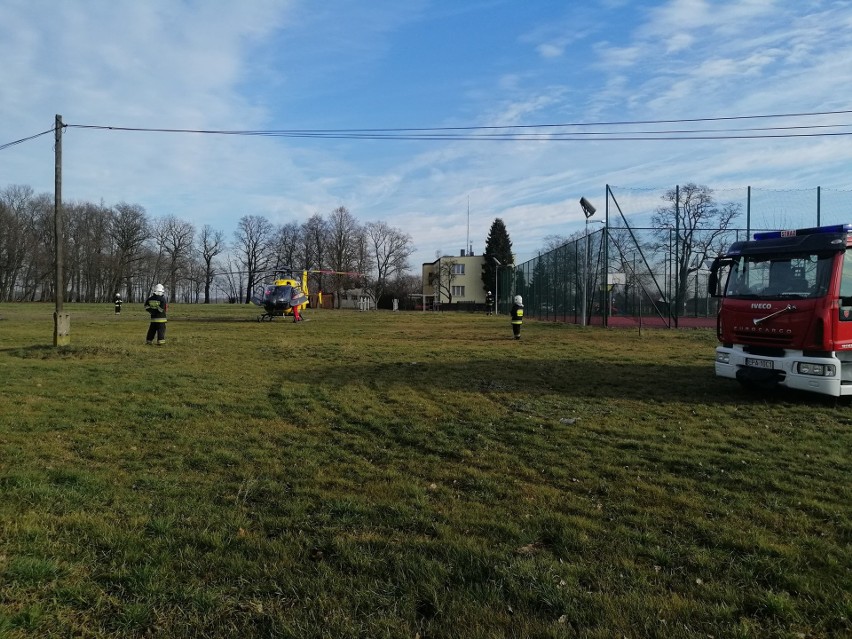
[409, 475]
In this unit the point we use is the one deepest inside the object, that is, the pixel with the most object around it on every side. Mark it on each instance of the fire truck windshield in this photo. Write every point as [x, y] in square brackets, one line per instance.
[785, 276]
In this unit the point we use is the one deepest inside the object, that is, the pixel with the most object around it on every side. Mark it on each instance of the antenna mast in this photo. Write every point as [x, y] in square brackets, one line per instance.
[467, 243]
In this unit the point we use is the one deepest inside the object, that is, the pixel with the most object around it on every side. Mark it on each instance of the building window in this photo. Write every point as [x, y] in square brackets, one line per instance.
[458, 269]
[458, 291]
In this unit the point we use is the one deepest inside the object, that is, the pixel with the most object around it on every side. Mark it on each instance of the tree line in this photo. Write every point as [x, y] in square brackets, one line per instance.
[123, 249]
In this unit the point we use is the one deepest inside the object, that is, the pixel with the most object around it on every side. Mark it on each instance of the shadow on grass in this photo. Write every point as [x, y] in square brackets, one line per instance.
[48, 351]
[575, 379]
[224, 319]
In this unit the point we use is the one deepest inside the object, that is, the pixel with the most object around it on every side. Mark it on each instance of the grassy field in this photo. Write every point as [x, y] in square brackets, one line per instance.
[408, 475]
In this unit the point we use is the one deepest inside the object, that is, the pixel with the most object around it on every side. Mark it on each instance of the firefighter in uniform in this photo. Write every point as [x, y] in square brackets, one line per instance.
[517, 315]
[118, 303]
[157, 305]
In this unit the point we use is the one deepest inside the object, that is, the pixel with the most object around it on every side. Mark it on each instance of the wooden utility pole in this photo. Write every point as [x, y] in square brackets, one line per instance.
[61, 321]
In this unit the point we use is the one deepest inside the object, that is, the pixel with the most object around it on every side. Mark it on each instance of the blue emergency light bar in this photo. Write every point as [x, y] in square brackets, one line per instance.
[834, 228]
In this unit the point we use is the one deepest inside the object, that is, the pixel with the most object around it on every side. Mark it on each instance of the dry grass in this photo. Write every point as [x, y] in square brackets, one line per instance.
[389, 475]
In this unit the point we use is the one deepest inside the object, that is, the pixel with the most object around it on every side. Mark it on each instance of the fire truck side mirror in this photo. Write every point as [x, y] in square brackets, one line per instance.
[713, 280]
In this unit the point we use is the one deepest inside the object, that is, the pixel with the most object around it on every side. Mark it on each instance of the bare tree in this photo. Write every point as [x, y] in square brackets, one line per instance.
[287, 248]
[17, 238]
[254, 244]
[389, 249]
[314, 236]
[342, 247]
[38, 278]
[363, 259]
[693, 227]
[195, 275]
[8, 256]
[129, 232]
[444, 277]
[210, 244]
[234, 279]
[174, 240]
[90, 261]
[405, 287]
[554, 241]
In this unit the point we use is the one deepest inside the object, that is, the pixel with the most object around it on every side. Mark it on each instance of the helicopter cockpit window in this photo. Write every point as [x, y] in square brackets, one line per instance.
[281, 294]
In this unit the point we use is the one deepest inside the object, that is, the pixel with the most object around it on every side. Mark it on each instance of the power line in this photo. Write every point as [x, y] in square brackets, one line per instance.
[524, 132]
[566, 137]
[473, 128]
[3, 147]
[520, 132]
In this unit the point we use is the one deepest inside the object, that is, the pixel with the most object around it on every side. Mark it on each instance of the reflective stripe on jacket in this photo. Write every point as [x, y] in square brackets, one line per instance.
[517, 314]
[157, 305]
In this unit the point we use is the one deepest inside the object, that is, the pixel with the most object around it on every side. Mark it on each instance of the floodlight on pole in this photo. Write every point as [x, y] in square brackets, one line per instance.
[588, 211]
[587, 207]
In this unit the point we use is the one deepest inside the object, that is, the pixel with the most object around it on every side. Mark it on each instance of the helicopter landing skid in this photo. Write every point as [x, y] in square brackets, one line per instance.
[269, 315]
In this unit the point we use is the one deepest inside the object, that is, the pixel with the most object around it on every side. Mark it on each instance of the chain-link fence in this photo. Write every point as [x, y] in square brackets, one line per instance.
[649, 260]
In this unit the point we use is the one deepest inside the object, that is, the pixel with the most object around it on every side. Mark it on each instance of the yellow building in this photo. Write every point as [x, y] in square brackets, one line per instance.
[456, 280]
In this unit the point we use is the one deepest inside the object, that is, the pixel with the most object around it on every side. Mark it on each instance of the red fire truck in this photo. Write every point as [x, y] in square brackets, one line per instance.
[785, 316]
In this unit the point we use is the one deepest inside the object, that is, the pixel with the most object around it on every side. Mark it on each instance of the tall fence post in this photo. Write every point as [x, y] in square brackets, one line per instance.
[748, 214]
[818, 205]
[605, 240]
[677, 256]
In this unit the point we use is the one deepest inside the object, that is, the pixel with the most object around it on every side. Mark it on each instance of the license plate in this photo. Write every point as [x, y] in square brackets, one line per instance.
[759, 363]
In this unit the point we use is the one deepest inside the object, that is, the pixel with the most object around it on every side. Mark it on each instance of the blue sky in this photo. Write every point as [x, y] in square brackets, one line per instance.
[337, 64]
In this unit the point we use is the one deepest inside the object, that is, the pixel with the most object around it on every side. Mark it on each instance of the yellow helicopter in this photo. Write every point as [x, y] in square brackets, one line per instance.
[284, 294]
[281, 297]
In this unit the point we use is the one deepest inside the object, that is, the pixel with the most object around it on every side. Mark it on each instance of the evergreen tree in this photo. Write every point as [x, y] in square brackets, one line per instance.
[499, 246]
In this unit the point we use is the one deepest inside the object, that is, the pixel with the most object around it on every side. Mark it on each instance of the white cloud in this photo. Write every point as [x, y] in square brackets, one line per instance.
[550, 50]
[222, 65]
[695, 15]
[613, 57]
[678, 42]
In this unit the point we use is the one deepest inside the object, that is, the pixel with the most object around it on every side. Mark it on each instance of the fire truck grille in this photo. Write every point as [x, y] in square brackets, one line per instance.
[767, 339]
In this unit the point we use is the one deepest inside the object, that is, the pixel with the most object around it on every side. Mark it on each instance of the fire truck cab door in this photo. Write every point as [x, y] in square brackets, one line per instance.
[844, 324]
